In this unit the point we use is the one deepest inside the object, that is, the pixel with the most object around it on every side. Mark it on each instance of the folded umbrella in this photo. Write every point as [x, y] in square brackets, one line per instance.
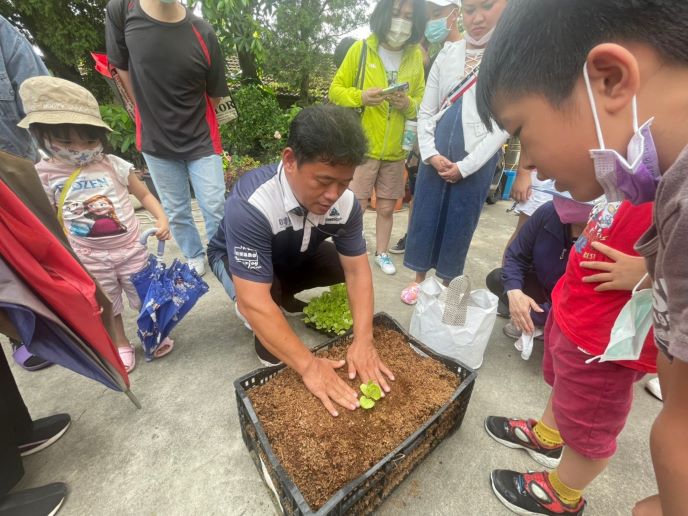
[55, 277]
[167, 295]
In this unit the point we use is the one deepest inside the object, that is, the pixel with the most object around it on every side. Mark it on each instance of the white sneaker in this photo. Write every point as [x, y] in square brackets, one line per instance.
[385, 263]
[241, 317]
[197, 264]
[652, 386]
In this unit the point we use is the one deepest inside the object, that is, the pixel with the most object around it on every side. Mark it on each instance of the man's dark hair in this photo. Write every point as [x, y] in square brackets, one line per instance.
[540, 46]
[342, 49]
[328, 134]
[381, 19]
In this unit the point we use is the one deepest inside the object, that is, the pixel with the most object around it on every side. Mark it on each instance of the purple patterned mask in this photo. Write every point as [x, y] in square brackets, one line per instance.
[78, 158]
[634, 178]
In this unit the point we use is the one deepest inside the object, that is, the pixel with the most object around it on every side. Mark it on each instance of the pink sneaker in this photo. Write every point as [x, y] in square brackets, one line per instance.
[410, 294]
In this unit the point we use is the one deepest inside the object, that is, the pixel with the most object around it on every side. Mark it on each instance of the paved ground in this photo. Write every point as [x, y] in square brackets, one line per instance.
[183, 452]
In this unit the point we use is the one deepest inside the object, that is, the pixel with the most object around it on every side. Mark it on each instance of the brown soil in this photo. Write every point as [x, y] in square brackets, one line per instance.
[322, 453]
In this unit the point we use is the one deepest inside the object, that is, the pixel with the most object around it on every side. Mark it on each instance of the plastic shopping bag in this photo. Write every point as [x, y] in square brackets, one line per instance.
[454, 321]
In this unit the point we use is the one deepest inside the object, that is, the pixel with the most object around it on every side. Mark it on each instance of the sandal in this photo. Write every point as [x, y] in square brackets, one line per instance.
[128, 356]
[164, 348]
[410, 294]
[24, 358]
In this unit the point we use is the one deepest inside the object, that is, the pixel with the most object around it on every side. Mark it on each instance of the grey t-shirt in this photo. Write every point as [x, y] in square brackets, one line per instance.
[665, 248]
[174, 69]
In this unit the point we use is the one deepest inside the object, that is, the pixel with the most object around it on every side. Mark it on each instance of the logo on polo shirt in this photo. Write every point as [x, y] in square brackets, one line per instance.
[247, 257]
[284, 222]
[333, 216]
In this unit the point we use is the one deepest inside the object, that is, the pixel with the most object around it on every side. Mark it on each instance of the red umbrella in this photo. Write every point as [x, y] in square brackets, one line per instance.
[108, 71]
[55, 276]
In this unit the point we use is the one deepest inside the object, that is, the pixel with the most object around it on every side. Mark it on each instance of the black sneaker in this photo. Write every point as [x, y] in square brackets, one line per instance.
[530, 493]
[44, 500]
[518, 433]
[399, 247]
[503, 309]
[265, 357]
[292, 307]
[44, 432]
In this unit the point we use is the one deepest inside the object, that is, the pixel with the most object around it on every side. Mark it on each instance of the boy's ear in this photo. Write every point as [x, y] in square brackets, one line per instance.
[614, 77]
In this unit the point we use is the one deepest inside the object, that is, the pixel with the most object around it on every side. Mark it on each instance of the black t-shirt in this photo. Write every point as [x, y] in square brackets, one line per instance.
[174, 68]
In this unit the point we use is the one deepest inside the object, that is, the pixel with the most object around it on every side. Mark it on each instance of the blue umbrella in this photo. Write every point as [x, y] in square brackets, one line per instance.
[167, 295]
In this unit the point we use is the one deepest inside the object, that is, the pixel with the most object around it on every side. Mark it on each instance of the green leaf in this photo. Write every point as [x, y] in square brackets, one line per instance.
[374, 390]
[364, 389]
[366, 403]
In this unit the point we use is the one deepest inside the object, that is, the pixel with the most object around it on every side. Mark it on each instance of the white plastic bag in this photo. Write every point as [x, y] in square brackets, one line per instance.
[465, 343]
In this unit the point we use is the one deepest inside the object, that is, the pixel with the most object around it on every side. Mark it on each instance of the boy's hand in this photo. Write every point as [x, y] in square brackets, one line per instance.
[163, 232]
[622, 273]
[520, 306]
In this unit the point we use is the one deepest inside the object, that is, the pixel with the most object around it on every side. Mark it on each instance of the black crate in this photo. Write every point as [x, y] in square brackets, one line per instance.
[364, 494]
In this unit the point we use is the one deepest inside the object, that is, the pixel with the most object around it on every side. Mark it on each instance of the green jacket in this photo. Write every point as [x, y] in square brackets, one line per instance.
[383, 126]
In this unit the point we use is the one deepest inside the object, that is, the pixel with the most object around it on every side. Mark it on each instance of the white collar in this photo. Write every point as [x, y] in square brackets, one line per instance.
[291, 205]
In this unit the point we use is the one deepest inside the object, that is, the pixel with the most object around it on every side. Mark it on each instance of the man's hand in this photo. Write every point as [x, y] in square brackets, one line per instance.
[451, 174]
[623, 273]
[372, 97]
[320, 378]
[363, 360]
[520, 306]
[521, 189]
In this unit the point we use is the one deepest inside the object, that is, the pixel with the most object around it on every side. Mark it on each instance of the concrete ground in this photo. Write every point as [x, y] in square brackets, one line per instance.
[183, 452]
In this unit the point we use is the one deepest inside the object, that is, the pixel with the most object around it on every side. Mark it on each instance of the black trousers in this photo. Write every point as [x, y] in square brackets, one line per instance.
[531, 287]
[15, 427]
[320, 270]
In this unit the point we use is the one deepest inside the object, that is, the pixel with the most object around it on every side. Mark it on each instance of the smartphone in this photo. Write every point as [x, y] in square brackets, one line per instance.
[402, 86]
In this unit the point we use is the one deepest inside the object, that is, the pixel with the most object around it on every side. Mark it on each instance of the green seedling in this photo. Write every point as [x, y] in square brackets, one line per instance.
[371, 393]
[330, 311]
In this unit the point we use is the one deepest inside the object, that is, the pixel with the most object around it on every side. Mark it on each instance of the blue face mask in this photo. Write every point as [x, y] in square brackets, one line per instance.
[436, 31]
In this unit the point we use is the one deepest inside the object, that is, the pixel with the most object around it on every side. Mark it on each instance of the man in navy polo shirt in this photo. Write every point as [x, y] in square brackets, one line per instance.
[274, 242]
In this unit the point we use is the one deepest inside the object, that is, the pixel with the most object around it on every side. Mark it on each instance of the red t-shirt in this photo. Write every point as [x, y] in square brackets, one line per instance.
[584, 316]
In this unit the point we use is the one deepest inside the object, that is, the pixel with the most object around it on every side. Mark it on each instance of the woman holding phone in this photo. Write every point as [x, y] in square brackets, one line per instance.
[458, 153]
[383, 77]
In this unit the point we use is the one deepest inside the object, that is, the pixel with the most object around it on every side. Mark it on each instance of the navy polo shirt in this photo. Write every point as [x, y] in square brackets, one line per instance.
[266, 231]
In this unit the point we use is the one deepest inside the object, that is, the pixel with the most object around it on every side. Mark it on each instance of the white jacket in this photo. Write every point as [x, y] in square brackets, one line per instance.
[445, 73]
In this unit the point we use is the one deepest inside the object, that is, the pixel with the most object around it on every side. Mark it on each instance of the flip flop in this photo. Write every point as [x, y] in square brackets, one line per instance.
[165, 347]
[128, 356]
[24, 358]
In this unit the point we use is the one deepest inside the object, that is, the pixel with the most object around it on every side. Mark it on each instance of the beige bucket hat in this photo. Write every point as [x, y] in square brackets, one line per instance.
[49, 100]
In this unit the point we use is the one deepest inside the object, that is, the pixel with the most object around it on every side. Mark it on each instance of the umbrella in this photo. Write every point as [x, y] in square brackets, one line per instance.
[58, 292]
[109, 73]
[167, 295]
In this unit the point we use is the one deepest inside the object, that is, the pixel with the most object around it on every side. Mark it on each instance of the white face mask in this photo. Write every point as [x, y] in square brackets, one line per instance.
[479, 42]
[399, 33]
[630, 328]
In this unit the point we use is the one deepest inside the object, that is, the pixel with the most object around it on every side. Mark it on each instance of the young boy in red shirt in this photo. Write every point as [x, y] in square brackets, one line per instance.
[590, 402]
[614, 63]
